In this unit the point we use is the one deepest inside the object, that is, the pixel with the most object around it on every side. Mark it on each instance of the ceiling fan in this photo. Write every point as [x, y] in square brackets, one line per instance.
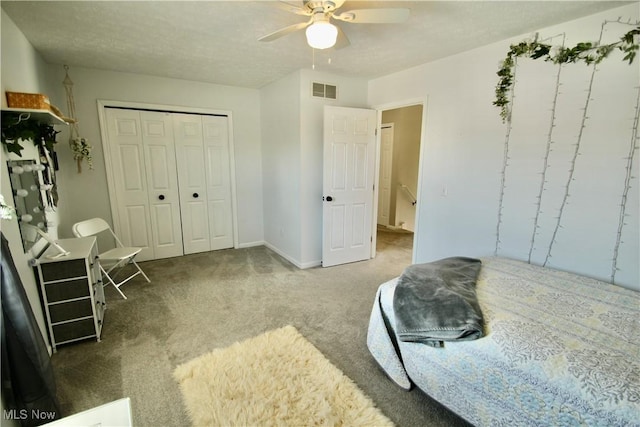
[321, 33]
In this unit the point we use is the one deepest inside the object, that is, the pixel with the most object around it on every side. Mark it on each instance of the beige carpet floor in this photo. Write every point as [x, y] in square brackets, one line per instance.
[201, 302]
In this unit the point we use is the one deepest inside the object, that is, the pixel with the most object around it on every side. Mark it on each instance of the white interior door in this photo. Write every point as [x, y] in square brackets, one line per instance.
[386, 167]
[192, 181]
[215, 131]
[164, 201]
[348, 173]
[143, 160]
[126, 150]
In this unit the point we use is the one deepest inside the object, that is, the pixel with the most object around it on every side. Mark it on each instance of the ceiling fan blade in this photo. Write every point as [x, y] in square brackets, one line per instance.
[342, 40]
[374, 16]
[337, 4]
[284, 31]
[293, 8]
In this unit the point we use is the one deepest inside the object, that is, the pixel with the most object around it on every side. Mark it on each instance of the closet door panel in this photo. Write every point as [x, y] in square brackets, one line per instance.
[164, 201]
[219, 213]
[132, 170]
[136, 223]
[194, 175]
[192, 182]
[127, 155]
[197, 222]
[216, 146]
[166, 236]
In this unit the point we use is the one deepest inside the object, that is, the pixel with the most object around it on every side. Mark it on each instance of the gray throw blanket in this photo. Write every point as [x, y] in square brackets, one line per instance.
[436, 302]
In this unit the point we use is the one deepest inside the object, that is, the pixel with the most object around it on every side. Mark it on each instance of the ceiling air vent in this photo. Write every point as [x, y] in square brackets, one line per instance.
[321, 90]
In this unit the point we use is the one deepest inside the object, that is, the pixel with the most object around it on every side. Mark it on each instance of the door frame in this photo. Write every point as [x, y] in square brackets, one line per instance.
[423, 132]
[102, 104]
[381, 127]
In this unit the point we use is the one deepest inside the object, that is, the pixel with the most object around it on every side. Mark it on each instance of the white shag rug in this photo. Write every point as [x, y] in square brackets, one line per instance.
[277, 378]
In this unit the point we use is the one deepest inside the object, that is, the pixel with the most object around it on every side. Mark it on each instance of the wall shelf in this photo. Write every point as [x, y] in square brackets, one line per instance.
[43, 116]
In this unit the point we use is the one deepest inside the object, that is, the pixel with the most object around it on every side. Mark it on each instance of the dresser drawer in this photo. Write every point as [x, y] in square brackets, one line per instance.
[61, 291]
[74, 330]
[70, 310]
[64, 270]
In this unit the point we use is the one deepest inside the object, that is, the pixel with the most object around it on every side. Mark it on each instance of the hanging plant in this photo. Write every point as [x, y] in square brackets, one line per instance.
[13, 131]
[6, 211]
[81, 151]
[80, 147]
[587, 52]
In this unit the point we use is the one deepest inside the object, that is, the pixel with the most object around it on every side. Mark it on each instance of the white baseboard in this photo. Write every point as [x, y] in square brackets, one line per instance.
[393, 227]
[311, 264]
[293, 261]
[250, 244]
[300, 265]
[283, 255]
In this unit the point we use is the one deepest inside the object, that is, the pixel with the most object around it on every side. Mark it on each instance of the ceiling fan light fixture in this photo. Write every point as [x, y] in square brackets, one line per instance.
[321, 35]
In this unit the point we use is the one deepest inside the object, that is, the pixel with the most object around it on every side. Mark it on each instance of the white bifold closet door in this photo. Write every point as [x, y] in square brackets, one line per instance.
[202, 151]
[171, 181]
[145, 197]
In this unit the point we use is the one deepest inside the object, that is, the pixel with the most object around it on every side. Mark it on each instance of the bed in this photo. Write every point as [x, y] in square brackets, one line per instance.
[557, 349]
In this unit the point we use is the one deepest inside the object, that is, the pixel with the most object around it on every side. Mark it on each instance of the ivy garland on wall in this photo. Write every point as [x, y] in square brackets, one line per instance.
[586, 52]
[14, 130]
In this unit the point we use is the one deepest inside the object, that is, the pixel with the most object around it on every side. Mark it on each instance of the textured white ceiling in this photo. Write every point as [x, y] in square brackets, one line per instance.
[216, 41]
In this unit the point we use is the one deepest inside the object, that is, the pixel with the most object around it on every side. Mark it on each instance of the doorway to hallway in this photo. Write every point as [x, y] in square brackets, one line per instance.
[400, 140]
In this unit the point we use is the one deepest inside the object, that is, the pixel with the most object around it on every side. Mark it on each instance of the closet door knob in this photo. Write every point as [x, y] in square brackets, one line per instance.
[195, 195]
[161, 197]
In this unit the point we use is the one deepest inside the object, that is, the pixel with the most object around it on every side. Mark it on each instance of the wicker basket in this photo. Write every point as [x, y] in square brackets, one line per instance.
[31, 101]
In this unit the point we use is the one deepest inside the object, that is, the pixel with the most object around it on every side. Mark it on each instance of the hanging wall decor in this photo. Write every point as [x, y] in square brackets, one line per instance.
[566, 147]
[79, 146]
[587, 52]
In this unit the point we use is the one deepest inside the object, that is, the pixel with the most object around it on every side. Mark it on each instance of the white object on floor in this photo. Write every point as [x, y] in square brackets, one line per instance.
[116, 413]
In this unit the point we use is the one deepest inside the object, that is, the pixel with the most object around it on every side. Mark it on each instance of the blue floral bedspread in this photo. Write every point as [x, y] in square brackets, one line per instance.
[559, 350]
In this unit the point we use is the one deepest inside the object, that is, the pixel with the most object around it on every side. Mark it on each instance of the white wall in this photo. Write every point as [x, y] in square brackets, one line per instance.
[280, 105]
[465, 148]
[292, 127]
[23, 70]
[85, 195]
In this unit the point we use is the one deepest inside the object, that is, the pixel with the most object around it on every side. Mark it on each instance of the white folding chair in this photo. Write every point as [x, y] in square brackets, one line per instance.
[115, 259]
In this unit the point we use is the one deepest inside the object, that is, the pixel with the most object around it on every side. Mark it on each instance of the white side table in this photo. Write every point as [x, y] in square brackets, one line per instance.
[113, 414]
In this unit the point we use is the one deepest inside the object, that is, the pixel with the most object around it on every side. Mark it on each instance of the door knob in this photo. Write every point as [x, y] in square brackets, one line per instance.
[329, 198]
[161, 197]
[195, 195]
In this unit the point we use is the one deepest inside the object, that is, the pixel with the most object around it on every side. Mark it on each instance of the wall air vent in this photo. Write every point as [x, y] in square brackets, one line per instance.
[321, 90]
